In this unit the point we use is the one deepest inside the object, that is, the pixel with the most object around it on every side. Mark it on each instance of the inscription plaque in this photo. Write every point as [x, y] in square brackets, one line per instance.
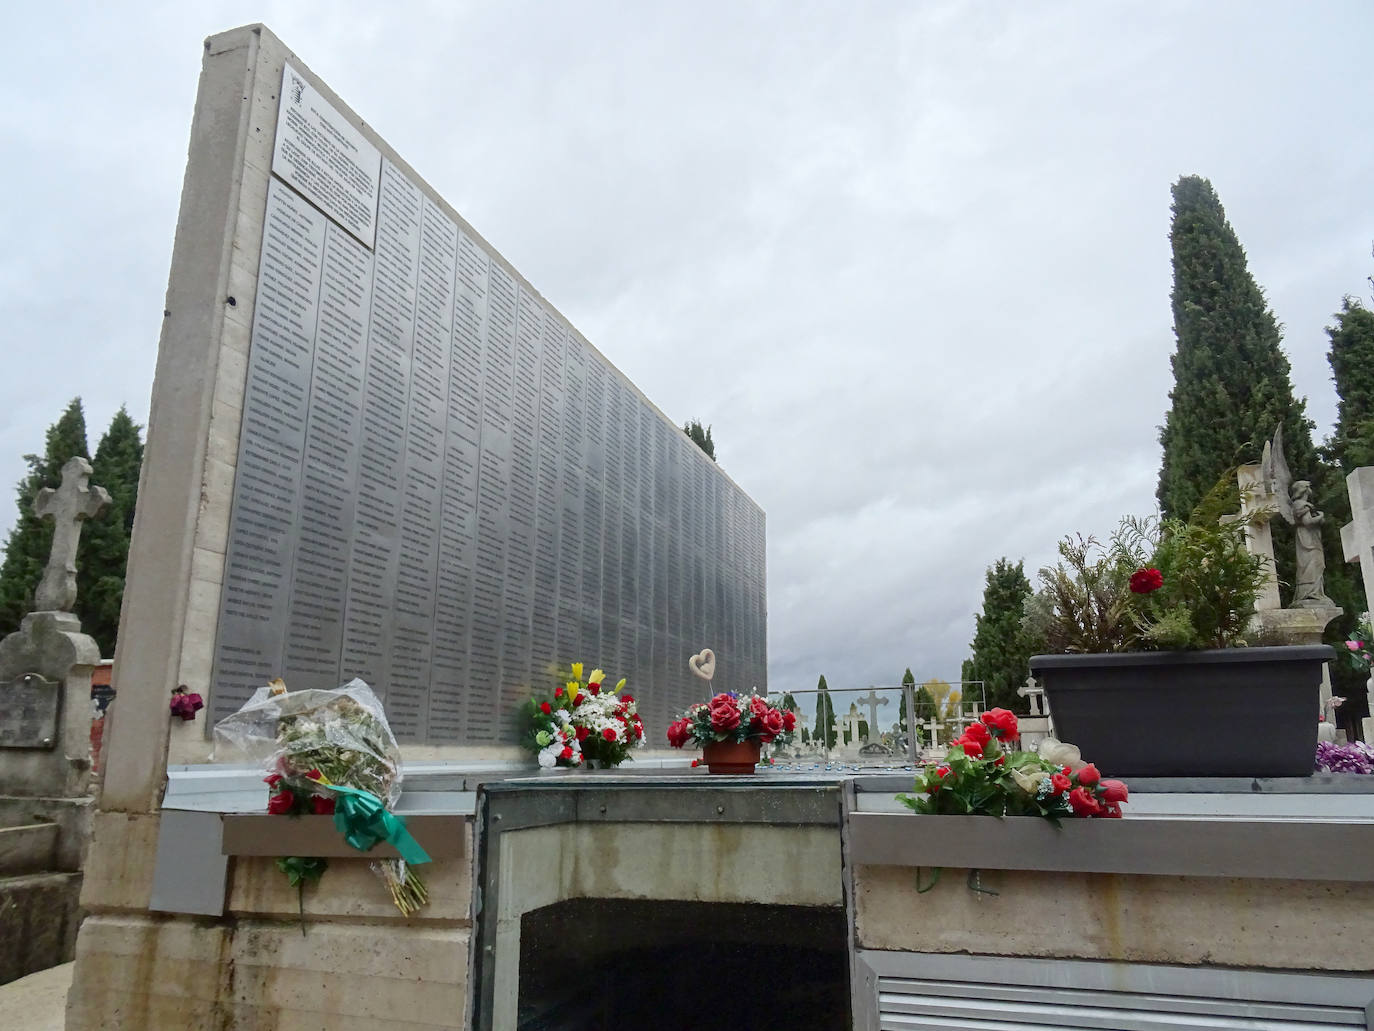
[442, 488]
[28, 712]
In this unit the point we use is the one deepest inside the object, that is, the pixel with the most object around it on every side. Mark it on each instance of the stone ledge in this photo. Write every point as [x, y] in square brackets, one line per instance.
[1326, 850]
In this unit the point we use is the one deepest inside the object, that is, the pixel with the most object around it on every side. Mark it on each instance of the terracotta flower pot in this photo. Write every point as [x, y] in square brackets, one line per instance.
[732, 756]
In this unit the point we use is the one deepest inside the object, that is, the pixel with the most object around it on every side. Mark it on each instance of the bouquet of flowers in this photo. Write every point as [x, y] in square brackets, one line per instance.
[578, 722]
[980, 775]
[1359, 646]
[331, 752]
[1355, 757]
[730, 717]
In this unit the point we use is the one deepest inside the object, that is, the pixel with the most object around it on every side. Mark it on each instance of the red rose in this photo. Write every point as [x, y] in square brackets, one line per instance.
[558, 692]
[1145, 580]
[545, 708]
[696, 762]
[578, 701]
[567, 752]
[772, 723]
[1089, 775]
[609, 733]
[282, 802]
[977, 732]
[789, 721]
[1002, 722]
[1114, 791]
[1082, 802]
[1059, 783]
[314, 775]
[724, 713]
[758, 705]
[321, 806]
[973, 749]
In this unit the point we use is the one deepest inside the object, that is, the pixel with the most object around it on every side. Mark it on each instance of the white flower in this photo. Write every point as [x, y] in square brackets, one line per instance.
[547, 761]
[1061, 753]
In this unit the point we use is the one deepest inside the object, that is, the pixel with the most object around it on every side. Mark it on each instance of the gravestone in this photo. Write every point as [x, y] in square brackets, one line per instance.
[45, 740]
[1357, 543]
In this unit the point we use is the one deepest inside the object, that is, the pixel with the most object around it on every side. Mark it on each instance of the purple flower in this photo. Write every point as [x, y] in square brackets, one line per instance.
[1356, 757]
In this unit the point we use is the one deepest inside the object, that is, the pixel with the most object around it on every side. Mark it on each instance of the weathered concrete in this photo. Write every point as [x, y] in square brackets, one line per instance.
[1297, 925]
[37, 1002]
[39, 914]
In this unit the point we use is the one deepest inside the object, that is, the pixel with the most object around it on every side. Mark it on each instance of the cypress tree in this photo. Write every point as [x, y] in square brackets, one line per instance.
[105, 541]
[701, 437]
[1001, 647]
[30, 541]
[825, 716]
[1352, 369]
[1232, 386]
[908, 681]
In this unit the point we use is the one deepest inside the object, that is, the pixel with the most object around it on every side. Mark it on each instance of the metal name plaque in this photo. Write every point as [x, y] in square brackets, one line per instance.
[443, 490]
[28, 712]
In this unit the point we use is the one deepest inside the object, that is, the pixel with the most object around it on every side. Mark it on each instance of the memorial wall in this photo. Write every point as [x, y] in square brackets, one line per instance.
[441, 488]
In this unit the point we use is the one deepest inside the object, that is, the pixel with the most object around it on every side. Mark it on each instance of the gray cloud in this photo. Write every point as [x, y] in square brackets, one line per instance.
[911, 262]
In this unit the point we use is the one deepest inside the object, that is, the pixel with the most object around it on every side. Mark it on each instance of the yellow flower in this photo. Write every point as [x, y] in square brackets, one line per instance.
[574, 689]
[597, 676]
[577, 670]
[620, 686]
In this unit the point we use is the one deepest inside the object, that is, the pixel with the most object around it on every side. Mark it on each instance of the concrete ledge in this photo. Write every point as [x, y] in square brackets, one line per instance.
[263, 834]
[39, 914]
[1325, 850]
[28, 849]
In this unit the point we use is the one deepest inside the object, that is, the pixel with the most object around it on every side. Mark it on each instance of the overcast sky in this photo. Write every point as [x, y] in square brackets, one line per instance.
[909, 260]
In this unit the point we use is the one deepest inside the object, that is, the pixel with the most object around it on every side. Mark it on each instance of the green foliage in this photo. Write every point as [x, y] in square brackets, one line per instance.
[1207, 595]
[824, 734]
[1084, 601]
[1001, 645]
[1210, 585]
[30, 541]
[1352, 368]
[302, 869]
[701, 437]
[105, 541]
[907, 681]
[1232, 386]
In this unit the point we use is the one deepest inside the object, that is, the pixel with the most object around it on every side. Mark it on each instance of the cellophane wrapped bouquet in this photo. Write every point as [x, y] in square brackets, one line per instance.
[317, 745]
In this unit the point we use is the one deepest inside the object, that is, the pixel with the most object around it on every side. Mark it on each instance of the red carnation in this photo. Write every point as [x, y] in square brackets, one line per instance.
[594, 688]
[627, 698]
[558, 692]
[545, 708]
[567, 752]
[1082, 803]
[977, 732]
[609, 733]
[582, 733]
[1114, 791]
[1002, 722]
[282, 802]
[696, 762]
[973, 749]
[321, 806]
[639, 729]
[1145, 580]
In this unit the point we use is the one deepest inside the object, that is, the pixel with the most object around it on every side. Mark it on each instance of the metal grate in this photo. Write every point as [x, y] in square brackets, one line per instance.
[923, 992]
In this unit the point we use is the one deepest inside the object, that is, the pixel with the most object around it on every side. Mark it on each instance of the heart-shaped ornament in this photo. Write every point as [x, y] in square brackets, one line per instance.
[703, 664]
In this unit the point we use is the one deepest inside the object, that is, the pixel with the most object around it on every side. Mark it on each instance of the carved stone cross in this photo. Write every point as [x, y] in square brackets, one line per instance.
[71, 503]
[1033, 693]
[1357, 541]
[1257, 506]
[872, 702]
[933, 726]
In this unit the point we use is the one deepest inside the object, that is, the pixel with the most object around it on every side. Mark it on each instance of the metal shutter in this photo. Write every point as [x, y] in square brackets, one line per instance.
[927, 992]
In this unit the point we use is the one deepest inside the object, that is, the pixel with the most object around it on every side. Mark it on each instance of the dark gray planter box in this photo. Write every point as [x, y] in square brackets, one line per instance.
[1230, 712]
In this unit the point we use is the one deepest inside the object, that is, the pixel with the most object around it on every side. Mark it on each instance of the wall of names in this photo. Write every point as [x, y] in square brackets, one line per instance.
[442, 489]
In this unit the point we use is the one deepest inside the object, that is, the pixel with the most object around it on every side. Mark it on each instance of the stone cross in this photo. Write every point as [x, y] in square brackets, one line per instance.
[1034, 695]
[71, 503]
[1357, 542]
[1257, 507]
[933, 726]
[872, 702]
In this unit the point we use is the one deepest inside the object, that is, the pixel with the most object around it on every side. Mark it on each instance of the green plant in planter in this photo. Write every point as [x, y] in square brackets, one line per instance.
[1157, 585]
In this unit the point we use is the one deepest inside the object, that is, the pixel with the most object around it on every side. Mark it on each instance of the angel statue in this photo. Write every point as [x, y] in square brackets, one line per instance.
[1293, 498]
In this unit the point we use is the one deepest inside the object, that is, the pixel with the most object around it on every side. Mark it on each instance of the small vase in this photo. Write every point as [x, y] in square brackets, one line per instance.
[737, 757]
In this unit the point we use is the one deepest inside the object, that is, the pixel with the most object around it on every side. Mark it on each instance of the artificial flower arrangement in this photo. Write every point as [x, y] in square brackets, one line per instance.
[981, 776]
[332, 752]
[732, 718]
[1355, 757]
[577, 722]
[1359, 646]
[1156, 585]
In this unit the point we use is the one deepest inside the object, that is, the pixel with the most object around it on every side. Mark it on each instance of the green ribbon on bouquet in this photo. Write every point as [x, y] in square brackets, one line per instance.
[364, 820]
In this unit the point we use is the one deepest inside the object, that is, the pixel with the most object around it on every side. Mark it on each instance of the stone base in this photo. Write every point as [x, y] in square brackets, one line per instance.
[39, 914]
[1294, 626]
